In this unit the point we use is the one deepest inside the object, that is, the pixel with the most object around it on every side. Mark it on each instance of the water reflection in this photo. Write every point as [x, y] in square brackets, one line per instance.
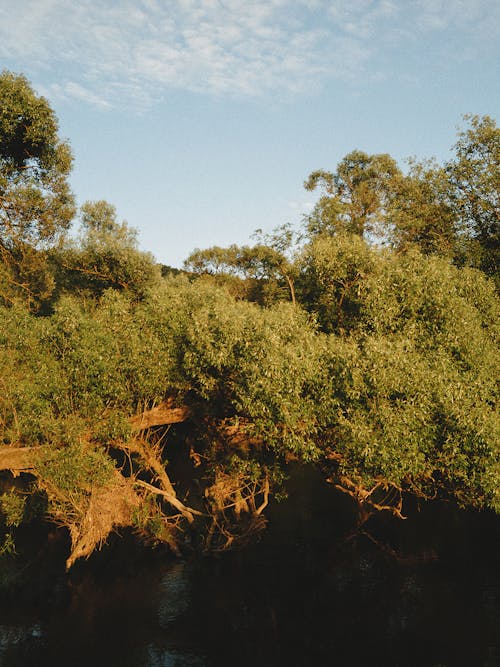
[160, 658]
[174, 594]
[303, 596]
[12, 635]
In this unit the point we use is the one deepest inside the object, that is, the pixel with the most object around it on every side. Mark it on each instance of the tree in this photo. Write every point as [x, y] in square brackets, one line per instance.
[278, 255]
[421, 213]
[36, 204]
[334, 271]
[99, 216]
[106, 255]
[474, 177]
[354, 197]
[267, 264]
[453, 209]
[407, 391]
[384, 375]
[401, 399]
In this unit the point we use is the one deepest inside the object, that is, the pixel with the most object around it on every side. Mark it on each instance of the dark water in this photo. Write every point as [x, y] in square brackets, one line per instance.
[309, 593]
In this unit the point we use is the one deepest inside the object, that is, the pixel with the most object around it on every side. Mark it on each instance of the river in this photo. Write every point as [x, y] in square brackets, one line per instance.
[423, 592]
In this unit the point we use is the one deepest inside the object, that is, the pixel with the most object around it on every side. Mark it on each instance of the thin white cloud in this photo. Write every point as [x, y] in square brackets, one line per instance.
[103, 52]
[73, 90]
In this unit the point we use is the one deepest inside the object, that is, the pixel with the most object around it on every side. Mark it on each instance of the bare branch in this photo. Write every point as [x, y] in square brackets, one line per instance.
[188, 512]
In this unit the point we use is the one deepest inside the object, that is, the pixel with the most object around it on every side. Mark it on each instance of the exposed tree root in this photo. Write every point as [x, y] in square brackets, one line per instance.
[235, 515]
[187, 512]
[109, 507]
[90, 516]
[383, 496]
[150, 456]
[234, 501]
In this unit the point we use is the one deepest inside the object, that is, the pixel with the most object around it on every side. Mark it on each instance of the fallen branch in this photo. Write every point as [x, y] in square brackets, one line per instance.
[162, 415]
[19, 459]
[187, 512]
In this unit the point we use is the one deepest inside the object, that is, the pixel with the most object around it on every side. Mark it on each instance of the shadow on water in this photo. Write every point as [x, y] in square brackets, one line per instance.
[303, 595]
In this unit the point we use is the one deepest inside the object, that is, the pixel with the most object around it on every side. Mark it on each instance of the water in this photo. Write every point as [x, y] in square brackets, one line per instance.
[309, 593]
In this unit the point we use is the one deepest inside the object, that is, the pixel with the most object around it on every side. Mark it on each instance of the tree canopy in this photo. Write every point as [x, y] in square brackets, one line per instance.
[475, 181]
[104, 255]
[365, 345]
[450, 209]
[36, 204]
[354, 197]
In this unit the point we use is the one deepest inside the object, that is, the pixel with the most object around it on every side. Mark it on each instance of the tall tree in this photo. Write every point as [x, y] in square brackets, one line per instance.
[36, 204]
[474, 177]
[421, 212]
[354, 197]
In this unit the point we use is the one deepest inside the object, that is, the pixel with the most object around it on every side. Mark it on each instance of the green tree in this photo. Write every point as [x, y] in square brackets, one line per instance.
[36, 205]
[407, 392]
[267, 265]
[453, 209]
[474, 177]
[106, 255]
[398, 397]
[99, 216]
[421, 212]
[334, 271]
[354, 197]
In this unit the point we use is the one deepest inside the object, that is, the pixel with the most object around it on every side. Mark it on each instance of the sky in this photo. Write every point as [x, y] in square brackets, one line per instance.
[200, 119]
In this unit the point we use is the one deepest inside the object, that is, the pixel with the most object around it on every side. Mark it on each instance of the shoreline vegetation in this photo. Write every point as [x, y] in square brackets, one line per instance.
[173, 401]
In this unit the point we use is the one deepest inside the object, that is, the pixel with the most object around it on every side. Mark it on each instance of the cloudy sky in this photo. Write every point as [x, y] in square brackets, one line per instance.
[200, 119]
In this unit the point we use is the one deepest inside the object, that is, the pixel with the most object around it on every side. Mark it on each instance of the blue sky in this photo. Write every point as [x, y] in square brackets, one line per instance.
[200, 119]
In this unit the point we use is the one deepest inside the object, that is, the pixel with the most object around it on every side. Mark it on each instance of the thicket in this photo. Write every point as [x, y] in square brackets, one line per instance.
[173, 402]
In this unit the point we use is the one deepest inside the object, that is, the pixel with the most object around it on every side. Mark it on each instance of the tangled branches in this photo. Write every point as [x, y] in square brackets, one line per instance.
[234, 507]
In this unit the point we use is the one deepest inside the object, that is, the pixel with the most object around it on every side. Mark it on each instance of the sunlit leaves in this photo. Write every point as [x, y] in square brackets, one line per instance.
[36, 204]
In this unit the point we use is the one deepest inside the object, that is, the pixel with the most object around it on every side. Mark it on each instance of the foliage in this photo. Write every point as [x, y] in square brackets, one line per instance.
[354, 197]
[401, 386]
[421, 212]
[333, 277]
[411, 391]
[451, 210]
[75, 468]
[36, 205]
[375, 362]
[265, 270]
[474, 177]
[12, 507]
[106, 255]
